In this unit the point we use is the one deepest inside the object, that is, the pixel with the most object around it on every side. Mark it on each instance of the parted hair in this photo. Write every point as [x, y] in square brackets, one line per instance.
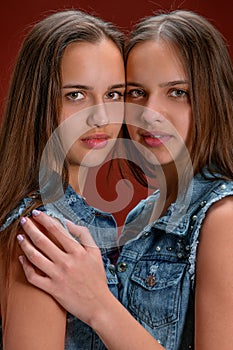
[205, 57]
[33, 105]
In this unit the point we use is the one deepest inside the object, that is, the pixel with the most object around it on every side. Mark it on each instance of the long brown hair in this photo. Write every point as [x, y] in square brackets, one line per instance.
[33, 105]
[206, 60]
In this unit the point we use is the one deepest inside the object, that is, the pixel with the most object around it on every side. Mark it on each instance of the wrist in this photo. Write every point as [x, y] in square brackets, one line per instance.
[103, 314]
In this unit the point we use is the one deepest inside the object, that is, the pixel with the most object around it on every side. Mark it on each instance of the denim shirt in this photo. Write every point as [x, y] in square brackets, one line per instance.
[156, 268]
[102, 225]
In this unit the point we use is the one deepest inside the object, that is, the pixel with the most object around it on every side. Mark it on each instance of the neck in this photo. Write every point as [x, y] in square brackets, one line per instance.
[167, 179]
[77, 178]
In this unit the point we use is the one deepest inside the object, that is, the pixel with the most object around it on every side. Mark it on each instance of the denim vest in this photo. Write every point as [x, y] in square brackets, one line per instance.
[102, 225]
[155, 274]
[156, 268]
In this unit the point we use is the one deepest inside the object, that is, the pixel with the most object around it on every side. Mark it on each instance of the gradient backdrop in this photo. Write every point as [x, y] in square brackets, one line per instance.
[17, 16]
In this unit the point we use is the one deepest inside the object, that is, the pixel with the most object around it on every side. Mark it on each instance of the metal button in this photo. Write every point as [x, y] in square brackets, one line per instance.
[158, 248]
[112, 269]
[150, 281]
[169, 249]
[145, 235]
[122, 267]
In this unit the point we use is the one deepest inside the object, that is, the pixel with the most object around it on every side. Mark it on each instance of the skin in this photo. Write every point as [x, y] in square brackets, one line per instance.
[95, 304]
[162, 92]
[42, 320]
[91, 99]
[166, 111]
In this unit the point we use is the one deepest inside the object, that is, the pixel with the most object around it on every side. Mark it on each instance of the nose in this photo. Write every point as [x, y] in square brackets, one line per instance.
[150, 116]
[98, 116]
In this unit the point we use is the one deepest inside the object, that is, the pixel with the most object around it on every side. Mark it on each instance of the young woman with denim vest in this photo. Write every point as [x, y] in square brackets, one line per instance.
[62, 116]
[176, 264]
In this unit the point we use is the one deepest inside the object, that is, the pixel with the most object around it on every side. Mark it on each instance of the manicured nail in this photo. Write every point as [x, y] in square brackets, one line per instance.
[35, 212]
[20, 238]
[23, 221]
[21, 259]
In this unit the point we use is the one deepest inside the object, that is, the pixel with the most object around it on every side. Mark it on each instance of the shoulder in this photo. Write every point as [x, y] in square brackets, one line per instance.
[220, 215]
[216, 238]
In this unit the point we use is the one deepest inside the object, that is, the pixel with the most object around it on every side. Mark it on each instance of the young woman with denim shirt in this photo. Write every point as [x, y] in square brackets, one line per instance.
[55, 87]
[175, 271]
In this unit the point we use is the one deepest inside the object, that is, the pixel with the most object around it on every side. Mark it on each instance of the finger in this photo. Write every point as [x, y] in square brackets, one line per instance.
[82, 233]
[35, 257]
[55, 228]
[33, 277]
[40, 240]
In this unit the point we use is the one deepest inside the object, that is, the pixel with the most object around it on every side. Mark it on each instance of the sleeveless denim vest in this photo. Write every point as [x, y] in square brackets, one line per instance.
[156, 268]
[102, 225]
[154, 277]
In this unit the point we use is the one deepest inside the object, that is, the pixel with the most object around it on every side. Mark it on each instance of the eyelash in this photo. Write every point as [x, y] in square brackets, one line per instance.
[120, 94]
[141, 93]
[71, 96]
[184, 93]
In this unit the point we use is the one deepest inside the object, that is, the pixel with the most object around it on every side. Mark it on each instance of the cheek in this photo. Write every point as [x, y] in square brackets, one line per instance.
[188, 126]
[65, 113]
[182, 121]
[70, 109]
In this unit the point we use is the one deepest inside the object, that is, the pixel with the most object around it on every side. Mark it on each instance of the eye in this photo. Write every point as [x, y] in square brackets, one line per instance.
[180, 93]
[136, 93]
[114, 95]
[75, 95]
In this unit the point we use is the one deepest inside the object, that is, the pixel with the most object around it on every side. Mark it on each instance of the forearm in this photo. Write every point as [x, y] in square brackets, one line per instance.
[31, 318]
[119, 330]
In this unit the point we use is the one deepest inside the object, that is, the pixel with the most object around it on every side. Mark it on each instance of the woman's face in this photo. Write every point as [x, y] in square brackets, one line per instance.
[157, 82]
[93, 84]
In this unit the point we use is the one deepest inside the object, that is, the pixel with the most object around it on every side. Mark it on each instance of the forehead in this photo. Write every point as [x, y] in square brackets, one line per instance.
[155, 57]
[84, 60]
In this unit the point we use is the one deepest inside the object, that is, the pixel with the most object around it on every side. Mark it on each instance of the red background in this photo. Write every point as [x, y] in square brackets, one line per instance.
[17, 16]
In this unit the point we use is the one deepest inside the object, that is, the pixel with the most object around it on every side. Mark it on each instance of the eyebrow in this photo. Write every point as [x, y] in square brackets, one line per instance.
[169, 83]
[86, 87]
[116, 86]
[77, 86]
[131, 83]
[175, 82]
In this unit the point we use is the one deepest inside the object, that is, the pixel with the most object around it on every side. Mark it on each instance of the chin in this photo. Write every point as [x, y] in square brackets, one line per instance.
[93, 159]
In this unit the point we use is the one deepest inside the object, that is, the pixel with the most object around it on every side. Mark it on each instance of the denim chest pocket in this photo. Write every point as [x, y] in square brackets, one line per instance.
[155, 291]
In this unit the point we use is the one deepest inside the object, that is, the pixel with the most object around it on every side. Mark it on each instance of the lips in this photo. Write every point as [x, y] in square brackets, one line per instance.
[155, 139]
[96, 141]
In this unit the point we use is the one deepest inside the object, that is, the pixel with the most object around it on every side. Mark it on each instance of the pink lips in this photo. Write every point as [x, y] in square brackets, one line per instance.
[155, 139]
[96, 141]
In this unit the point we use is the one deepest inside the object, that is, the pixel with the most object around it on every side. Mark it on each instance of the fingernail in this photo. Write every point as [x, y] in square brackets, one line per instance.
[35, 212]
[23, 221]
[20, 238]
[21, 259]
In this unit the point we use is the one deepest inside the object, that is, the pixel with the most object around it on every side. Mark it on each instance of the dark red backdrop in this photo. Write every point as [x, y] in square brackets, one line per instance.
[16, 17]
